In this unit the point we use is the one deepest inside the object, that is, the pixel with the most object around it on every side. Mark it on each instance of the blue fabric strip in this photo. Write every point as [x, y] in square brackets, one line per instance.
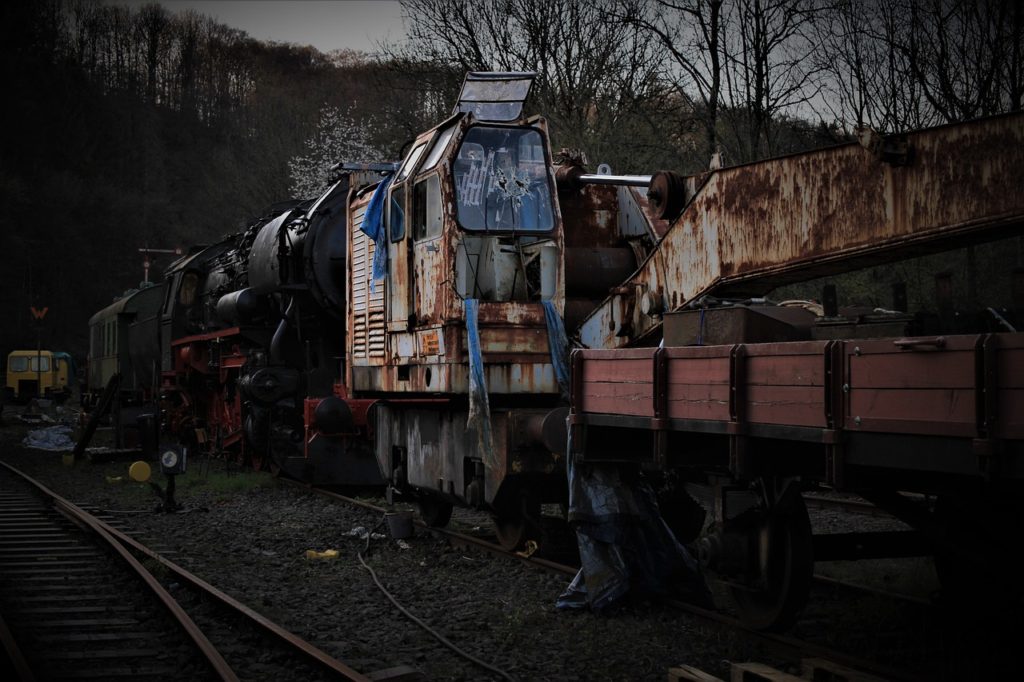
[373, 227]
[559, 346]
[479, 406]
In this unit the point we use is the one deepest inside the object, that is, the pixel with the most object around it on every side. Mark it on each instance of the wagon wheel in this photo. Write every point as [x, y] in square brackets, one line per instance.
[256, 461]
[514, 528]
[781, 543]
[435, 512]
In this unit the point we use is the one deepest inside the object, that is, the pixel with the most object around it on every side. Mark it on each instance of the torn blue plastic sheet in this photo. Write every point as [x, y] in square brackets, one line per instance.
[479, 417]
[559, 346]
[625, 545]
[373, 227]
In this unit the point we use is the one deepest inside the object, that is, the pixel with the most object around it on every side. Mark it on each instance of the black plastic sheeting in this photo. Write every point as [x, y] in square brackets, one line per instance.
[625, 546]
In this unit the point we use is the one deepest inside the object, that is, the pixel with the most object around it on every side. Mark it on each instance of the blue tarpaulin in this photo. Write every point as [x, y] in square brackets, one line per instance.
[559, 345]
[624, 543]
[479, 405]
[373, 227]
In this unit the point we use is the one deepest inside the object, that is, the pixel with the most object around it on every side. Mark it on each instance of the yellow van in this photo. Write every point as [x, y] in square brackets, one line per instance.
[32, 374]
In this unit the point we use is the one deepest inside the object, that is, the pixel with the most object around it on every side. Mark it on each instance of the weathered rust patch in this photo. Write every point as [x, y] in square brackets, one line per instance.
[751, 228]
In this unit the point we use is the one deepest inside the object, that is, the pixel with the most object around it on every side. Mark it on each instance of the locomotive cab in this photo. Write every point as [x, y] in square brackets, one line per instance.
[472, 287]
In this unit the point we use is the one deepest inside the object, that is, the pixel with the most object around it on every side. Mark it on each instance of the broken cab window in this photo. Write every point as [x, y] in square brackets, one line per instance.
[501, 181]
[427, 208]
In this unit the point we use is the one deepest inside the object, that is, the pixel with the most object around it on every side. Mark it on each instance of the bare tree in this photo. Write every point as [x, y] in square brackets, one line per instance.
[592, 72]
[768, 70]
[741, 66]
[904, 64]
[690, 33]
[964, 54]
[868, 80]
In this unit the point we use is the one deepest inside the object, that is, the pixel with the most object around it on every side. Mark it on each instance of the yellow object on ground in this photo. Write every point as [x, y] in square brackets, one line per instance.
[115, 479]
[326, 554]
[139, 471]
[531, 547]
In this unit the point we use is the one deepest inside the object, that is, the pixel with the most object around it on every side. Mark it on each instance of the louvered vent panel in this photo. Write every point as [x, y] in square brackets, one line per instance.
[361, 270]
[359, 336]
[375, 341]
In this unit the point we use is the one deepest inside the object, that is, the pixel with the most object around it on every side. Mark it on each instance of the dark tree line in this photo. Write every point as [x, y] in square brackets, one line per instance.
[128, 128]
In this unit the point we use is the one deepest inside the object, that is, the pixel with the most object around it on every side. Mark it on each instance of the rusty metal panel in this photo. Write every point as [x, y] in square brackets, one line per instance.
[591, 217]
[636, 215]
[928, 388]
[751, 228]
[716, 326]
[511, 313]
[512, 340]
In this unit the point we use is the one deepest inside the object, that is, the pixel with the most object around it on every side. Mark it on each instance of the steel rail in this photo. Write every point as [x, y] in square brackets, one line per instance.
[311, 652]
[79, 516]
[792, 646]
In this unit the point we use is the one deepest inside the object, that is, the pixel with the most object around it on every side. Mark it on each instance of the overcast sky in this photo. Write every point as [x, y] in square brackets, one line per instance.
[324, 24]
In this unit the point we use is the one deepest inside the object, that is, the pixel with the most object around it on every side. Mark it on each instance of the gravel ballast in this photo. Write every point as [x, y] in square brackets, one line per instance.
[252, 544]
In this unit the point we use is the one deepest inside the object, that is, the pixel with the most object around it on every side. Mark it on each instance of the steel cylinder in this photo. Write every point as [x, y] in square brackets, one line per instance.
[240, 306]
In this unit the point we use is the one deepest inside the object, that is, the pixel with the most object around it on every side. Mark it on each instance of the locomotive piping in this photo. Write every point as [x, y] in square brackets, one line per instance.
[282, 329]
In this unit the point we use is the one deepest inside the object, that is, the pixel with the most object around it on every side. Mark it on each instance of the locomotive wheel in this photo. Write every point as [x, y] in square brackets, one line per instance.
[515, 528]
[783, 546]
[255, 461]
[434, 512]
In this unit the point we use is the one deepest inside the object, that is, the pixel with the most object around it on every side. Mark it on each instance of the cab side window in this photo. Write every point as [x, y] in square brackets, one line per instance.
[427, 208]
[396, 213]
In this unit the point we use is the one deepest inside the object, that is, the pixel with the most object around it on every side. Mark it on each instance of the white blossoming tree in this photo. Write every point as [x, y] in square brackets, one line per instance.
[339, 137]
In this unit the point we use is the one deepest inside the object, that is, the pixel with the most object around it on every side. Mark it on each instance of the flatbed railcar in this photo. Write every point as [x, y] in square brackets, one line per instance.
[737, 406]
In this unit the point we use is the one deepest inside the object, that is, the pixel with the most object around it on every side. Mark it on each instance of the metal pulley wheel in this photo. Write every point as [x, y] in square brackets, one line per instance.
[667, 194]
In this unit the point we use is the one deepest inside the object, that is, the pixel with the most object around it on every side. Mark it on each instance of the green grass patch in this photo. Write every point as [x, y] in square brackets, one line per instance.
[213, 478]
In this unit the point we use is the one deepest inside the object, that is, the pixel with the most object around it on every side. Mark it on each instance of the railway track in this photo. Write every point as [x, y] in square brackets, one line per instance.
[77, 603]
[791, 647]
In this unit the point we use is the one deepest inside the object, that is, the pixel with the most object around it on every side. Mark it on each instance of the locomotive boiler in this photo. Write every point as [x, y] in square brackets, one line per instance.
[251, 331]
